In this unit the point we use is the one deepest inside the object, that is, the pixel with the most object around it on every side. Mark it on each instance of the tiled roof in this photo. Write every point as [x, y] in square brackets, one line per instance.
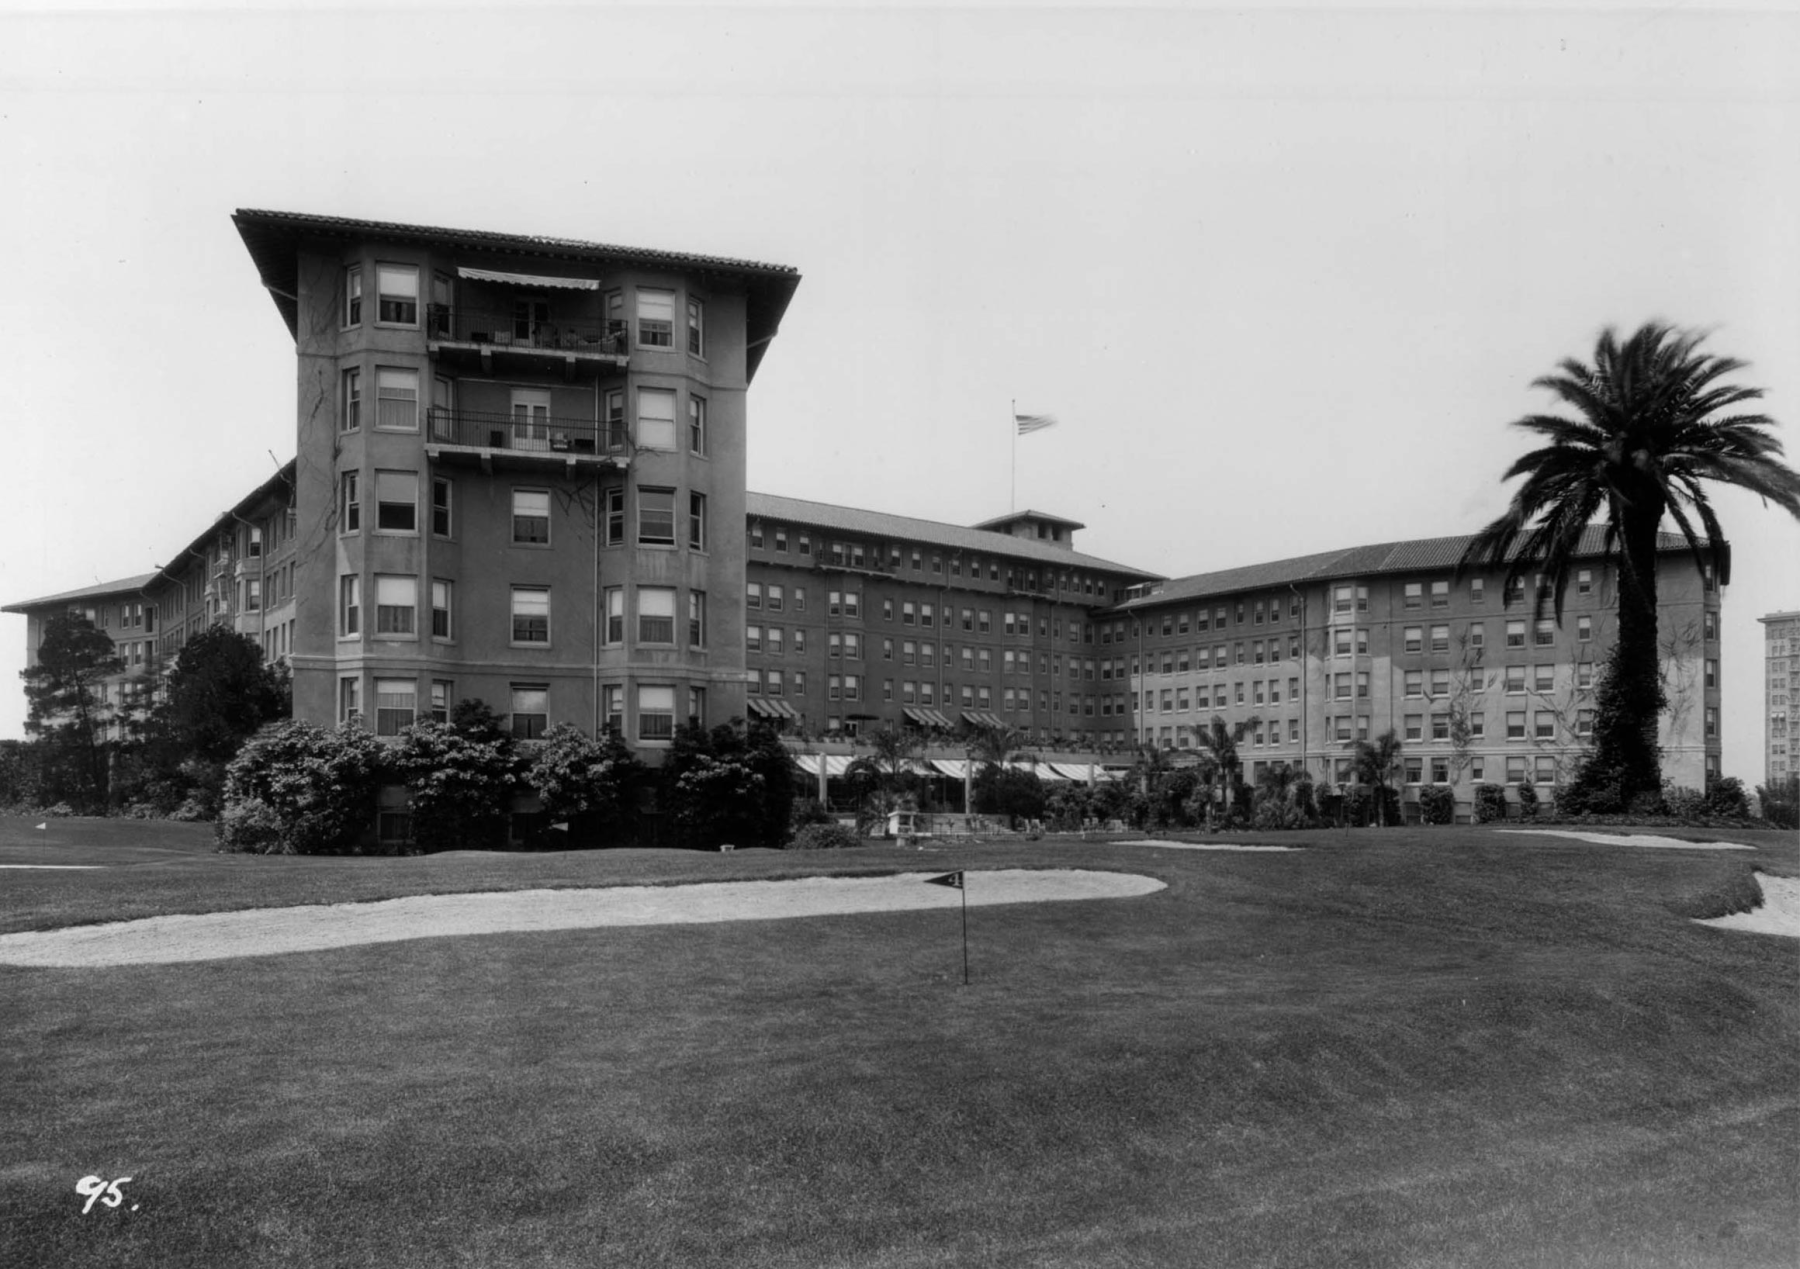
[273, 238]
[124, 586]
[534, 243]
[1013, 517]
[1417, 555]
[935, 533]
[281, 482]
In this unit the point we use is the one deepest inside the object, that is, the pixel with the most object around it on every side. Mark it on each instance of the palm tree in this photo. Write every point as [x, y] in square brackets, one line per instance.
[1220, 742]
[1374, 764]
[1654, 425]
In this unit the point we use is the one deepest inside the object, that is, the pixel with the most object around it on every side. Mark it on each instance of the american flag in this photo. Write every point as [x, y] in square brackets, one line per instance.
[1029, 423]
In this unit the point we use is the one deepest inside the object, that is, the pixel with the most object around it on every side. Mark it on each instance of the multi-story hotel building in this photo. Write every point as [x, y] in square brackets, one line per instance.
[1315, 653]
[520, 478]
[1781, 677]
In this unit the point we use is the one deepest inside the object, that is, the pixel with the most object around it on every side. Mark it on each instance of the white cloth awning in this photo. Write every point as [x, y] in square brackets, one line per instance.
[955, 768]
[1078, 771]
[807, 762]
[529, 279]
[836, 764]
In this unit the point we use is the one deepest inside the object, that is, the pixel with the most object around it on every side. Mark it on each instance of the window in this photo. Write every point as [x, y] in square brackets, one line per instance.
[349, 502]
[1584, 629]
[350, 700]
[396, 399]
[1584, 581]
[1515, 680]
[1477, 635]
[352, 416]
[252, 595]
[1515, 634]
[799, 683]
[396, 704]
[1712, 722]
[1584, 674]
[531, 517]
[1440, 638]
[396, 501]
[656, 517]
[531, 614]
[697, 526]
[1543, 677]
[349, 604]
[1415, 683]
[1515, 769]
[440, 700]
[697, 432]
[1477, 725]
[781, 540]
[440, 609]
[615, 517]
[656, 418]
[696, 330]
[397, 294]
[656, 329]
[753, 638]
[1415, 594]
[1545, 633]
[1414, 639]
[440, 507]
[615, 614]
[1477, 590]
[530, 710]
[615, 419]
[656, 614]
[1543, 724]
[1415, 726]
[697, 623]
[1440, 594]
[775, 634]
[1546, 769]
[353, 295]
[1710, 624]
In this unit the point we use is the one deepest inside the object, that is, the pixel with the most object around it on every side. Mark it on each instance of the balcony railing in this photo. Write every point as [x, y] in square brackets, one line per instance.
[543, 434]
[518, 332]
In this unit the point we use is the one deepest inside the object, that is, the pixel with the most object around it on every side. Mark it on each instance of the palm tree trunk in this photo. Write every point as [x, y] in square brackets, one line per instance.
[1631, 699]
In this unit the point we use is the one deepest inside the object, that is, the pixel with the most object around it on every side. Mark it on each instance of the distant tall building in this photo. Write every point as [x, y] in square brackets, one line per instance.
[1781, 671]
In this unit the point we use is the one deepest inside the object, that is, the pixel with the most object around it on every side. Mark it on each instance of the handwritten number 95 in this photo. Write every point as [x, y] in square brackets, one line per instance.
[98, 1188]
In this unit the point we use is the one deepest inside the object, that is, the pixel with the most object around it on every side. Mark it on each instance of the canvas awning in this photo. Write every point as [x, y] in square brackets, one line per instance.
[807, 762]
[771, 709]
[955, 768]
[983, 718]
[926, 717]
[529, 279]
[1078, 771]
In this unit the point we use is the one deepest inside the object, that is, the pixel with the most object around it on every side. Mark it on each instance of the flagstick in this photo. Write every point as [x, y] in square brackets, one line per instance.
[1012, 497]
[965, 907]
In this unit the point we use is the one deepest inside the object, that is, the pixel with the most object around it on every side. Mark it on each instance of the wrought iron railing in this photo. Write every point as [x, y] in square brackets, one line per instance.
[538, 433]
[527, 332]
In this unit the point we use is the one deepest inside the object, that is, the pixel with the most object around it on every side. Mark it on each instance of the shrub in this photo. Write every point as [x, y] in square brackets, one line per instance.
[319, 783]
[1528, 801]
[1437, 804]
[1725, 796]
[1490, 803]
[1780, 802]
[1645, 804]
[459, 787]
[1014, 794]
[578, 775]
[250, 826]
[823, 837]
[1682, 803]
[1359, 804]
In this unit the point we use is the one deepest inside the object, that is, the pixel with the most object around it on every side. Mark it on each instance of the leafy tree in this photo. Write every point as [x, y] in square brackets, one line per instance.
[732, 784]
[577, 775]
[1014, 794]
[883, 778]
[1375, 764]
[1654, 425]
[68, 710]
[218, 693]
[1780, 801]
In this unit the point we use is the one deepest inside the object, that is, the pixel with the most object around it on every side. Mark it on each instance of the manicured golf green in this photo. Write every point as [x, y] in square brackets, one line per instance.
[1439, 1047]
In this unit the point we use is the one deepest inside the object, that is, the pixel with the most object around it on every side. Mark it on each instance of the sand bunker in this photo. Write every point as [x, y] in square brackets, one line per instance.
[267, 931]
[1625, 839]
[1779, 913]
[1204, 845]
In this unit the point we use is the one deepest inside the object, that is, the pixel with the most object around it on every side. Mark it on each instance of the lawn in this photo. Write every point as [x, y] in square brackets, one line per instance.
[1402, 1047]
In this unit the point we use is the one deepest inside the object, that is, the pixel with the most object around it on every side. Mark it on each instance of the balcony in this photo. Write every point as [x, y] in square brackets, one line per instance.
[532, 341]
[494, 439]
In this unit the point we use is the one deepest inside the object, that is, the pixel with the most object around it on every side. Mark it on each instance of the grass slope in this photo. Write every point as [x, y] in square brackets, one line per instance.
[1414, 1047]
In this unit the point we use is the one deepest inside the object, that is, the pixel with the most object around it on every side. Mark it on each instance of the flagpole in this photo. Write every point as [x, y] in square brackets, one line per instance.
[1012, 497]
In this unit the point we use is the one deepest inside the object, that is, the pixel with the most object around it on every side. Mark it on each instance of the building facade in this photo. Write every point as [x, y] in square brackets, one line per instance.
[520, 472]
[1781, 675]
[1310, 655]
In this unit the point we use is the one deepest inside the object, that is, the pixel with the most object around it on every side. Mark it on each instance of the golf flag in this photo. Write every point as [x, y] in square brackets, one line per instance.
[1029, 423]
[952, 879]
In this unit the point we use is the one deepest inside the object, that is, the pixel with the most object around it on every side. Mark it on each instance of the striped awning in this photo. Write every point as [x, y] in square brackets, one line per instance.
[771, 709]
[926, 717]
[983, 718]
[1078, 771]
[529, 279]
[955, 768]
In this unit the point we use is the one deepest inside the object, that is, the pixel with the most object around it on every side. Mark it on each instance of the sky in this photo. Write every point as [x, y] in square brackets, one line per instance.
[1284, 276]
